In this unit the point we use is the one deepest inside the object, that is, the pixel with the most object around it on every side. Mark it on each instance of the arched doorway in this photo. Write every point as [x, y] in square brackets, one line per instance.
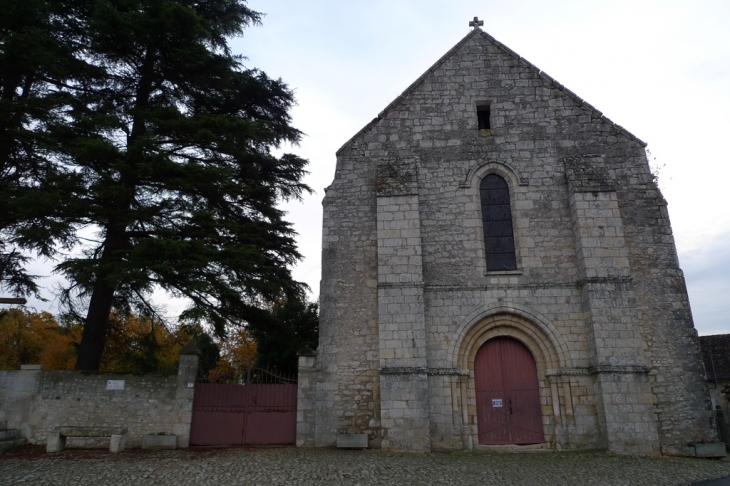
[507, 393]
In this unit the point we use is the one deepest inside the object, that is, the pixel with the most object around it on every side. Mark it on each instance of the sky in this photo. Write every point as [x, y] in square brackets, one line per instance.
[660, 69]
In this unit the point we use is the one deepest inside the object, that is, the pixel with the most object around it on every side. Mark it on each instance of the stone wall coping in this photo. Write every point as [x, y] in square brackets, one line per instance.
[190, 348]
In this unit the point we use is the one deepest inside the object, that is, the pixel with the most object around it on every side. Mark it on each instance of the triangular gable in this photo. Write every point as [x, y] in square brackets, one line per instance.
[477, 31]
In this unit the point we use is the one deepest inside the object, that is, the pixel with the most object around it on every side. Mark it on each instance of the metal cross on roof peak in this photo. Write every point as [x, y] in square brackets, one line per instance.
[476, 23]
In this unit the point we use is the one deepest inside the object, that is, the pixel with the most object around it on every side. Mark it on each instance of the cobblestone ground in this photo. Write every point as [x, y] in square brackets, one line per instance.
[290, 466]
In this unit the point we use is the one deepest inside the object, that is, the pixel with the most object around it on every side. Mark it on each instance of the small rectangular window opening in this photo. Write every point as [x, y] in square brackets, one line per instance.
[483, 117]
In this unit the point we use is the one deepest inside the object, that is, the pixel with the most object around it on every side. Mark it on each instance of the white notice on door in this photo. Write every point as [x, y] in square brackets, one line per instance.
[115, 385]
[496, 403]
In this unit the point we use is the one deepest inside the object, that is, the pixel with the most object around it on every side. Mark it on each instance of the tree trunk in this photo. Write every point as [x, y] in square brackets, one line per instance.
[95, 328]
[96, 325]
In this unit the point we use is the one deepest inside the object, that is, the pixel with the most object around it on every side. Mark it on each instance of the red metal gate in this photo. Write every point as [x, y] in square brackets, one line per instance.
[507, 392]
[262, 410]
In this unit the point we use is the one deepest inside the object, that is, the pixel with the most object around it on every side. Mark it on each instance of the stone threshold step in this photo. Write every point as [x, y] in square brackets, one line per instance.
[514, 448]
[10, 444]
[9, 434]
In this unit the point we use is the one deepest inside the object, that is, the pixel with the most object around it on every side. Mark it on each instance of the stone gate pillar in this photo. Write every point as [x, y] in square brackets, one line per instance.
[306, 396]
[186, 376]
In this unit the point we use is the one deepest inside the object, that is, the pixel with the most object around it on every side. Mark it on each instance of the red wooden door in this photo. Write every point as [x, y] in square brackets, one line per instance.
[507, 392]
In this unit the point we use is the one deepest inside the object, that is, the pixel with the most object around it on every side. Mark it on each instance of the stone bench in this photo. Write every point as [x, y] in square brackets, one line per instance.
[57, 440]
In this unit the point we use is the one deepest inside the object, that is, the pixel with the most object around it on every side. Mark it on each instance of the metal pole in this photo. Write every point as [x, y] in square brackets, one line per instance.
[712, 362]
[12, 300]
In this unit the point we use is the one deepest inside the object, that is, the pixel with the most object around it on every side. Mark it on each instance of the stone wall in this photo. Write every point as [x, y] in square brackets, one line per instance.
[35, 402]
[407, 300]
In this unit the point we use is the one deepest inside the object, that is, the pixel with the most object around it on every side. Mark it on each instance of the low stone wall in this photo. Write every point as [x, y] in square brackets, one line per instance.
[35, 402]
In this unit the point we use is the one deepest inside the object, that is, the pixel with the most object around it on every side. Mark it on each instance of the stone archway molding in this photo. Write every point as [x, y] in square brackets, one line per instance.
[510, 319]
[480, 169]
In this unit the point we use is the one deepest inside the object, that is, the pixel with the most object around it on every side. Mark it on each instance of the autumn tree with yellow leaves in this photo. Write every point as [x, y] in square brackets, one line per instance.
[139, 344]
[237, 353]
[135, 344]
[36, 338]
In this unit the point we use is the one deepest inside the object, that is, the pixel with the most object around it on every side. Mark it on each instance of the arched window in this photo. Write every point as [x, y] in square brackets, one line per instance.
[499, 242]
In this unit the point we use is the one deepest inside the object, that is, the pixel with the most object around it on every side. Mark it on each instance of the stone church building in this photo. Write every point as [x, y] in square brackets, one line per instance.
[498, 267]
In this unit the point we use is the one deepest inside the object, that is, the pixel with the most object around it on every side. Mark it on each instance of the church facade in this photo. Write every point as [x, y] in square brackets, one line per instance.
[498, 267]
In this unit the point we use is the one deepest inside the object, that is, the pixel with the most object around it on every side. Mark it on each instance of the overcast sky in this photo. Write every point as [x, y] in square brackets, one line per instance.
[660, 69]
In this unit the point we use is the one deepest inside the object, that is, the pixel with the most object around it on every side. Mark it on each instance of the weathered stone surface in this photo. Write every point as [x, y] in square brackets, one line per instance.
[352, 441]
[9, 438]
[55, 442]
[157, 441]
[37, 403]
[712, 449]
[117, 443]
[11, 444]
[406, 298]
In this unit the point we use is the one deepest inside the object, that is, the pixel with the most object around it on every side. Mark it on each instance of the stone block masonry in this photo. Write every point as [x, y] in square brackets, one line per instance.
[38, 402]
[407, 299]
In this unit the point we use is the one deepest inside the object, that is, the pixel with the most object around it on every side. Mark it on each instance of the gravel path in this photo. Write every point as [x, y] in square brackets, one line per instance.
[290, 466]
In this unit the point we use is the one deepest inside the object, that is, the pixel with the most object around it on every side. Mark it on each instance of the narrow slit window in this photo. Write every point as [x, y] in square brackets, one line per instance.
[483, 117]
[499, 241]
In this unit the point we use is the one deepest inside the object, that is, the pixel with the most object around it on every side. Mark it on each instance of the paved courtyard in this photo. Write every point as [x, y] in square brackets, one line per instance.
[290, 466]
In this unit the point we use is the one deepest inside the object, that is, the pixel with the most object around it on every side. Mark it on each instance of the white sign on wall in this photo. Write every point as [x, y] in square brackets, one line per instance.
[496, 403]
[115, 385]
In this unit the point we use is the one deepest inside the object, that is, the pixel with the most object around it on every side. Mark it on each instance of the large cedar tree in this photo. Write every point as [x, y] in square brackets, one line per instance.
[165, 174]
